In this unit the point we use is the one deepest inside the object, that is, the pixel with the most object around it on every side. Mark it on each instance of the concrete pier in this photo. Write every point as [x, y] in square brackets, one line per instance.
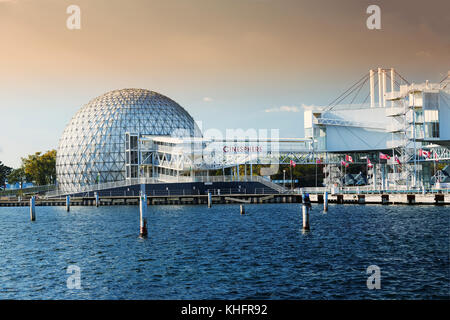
[377, 198]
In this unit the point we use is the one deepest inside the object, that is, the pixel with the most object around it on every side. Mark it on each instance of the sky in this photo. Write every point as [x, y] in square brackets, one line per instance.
[229, 63]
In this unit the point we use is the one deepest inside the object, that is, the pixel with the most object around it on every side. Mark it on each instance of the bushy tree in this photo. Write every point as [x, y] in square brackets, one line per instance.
[40, 168]
[4, 172]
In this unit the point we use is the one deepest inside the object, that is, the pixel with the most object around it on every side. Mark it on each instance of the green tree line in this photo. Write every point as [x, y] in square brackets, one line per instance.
[38, 168]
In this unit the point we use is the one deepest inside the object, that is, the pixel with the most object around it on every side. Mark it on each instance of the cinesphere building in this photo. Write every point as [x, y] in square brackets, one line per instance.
[92, 147]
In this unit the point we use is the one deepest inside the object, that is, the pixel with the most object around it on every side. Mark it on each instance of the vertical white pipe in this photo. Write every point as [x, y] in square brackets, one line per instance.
[305, 213]
[97, 200]
[392, 84]
[372, 88]
[384, 88]
[209, 199]
[380, 95]
[32, 210]
[143, 216]
[67, 203]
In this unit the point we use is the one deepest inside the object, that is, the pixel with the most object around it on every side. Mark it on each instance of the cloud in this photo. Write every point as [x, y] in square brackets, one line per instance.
[284, 109]
[207, 99]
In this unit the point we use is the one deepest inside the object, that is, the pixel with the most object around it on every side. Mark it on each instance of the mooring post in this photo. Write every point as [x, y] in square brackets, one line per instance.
[209, 199]
[32, 210]
[305, 211]
[97, 200]
[242, 209]
[68, 203]
[306, 206]
[143, 216]
[325, 201]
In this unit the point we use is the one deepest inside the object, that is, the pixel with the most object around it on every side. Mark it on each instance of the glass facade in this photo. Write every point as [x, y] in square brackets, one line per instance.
[92, 147]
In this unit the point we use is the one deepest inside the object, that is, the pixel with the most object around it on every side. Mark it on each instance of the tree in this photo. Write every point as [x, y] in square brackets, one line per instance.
[41, 169]
[17, 176]
[4, 172]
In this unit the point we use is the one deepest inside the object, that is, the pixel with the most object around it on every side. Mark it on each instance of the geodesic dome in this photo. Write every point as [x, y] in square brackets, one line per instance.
[92, 147]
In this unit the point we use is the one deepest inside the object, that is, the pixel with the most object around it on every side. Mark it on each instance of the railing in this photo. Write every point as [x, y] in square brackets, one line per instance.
[371, 190]
[165, 179]
[30, 190]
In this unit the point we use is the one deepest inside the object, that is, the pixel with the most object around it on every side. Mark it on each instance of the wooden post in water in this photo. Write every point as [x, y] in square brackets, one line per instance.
[32, 210]
[68, 203]
[143, 216]
[242, 209]
[97, 200]
[325, 201]
[209, 199]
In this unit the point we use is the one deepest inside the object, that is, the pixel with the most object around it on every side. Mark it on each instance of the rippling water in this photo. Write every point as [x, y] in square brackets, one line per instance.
[198, 253]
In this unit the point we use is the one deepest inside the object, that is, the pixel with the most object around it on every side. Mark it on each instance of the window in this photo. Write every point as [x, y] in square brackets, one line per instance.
[431, 125]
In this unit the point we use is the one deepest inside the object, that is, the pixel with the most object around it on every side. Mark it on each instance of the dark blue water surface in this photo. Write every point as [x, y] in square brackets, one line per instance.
[198, 253]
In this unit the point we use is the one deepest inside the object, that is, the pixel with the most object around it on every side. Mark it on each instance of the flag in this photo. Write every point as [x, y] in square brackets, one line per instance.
[345, 164]
[424, 153]
[436, 157]
[384, 156]
[369, 164]
[292, 163]
[348, 158]
[318, 161]
[397, 160]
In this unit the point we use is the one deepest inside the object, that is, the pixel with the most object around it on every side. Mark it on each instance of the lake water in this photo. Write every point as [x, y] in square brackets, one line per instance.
[193, 252]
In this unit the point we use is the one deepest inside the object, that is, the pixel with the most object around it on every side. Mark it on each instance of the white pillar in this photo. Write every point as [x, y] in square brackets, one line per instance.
[305, 212]
[97, 200]
[32, 210]
[143, 215]
[67, 203]
[392, 84]
[209, 199]
[325, 201]
[384, 88]
[380, 86]
[372, 88]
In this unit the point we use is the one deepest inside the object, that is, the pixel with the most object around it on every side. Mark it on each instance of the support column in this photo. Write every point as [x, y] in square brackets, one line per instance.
[380, 86]
[384, 88]
[372, 88]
